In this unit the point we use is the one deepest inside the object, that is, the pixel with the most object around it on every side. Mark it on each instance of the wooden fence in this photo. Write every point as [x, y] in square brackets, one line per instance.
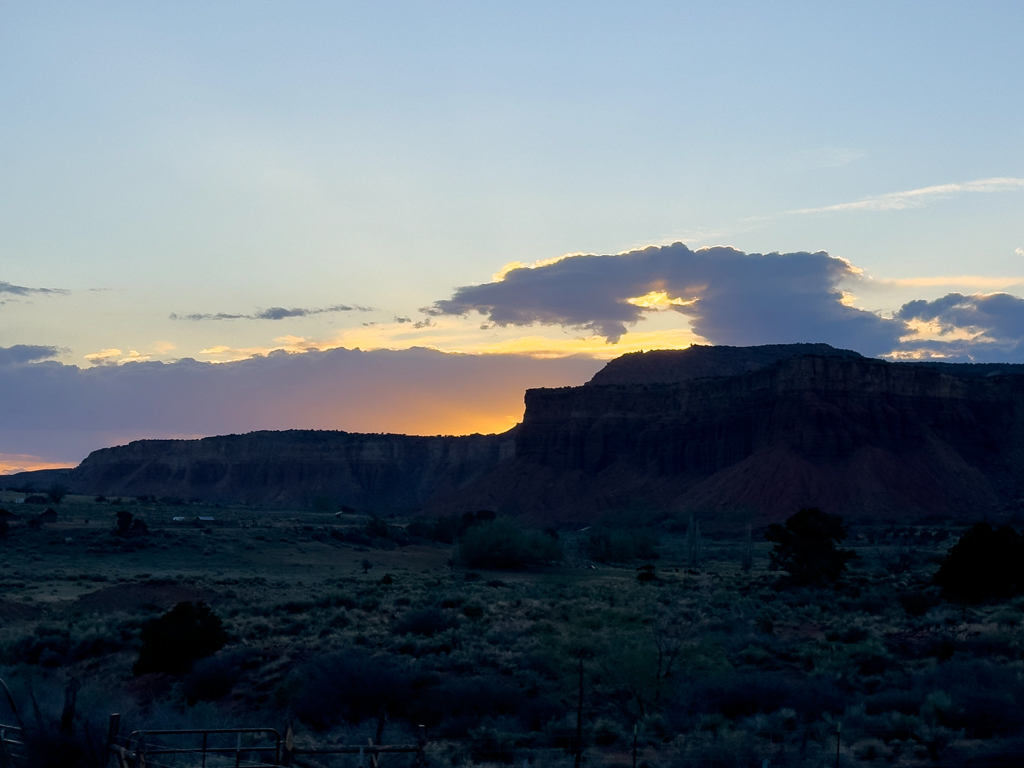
[239, 747]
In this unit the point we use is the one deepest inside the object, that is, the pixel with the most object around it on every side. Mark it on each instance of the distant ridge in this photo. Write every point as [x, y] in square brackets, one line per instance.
[673, 366]
[733, 434]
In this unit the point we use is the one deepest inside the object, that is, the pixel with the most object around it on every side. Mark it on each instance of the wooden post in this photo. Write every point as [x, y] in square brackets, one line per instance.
[362, 761]
[839, 739]
[579, 722]
[635, 728]
[67, 717]
[140, 752]
[112, 730]
[238, 751]
[289, 745]
[204, 749]
[421, 743]
[4, 761]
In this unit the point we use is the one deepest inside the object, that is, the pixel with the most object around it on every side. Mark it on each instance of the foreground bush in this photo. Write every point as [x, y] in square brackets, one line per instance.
[173, 642]
[985, 563]
[500, 544]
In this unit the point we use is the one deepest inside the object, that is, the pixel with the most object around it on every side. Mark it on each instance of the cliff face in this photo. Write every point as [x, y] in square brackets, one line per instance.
[365, 471]
[734, 434]
[850, 434]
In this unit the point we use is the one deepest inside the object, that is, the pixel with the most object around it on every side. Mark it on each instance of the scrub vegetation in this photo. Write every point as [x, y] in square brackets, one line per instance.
[361, 627]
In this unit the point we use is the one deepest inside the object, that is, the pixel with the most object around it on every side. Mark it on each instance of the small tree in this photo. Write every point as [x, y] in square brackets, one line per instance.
[56, 492]
[694, 545]
[747, 562]
[805, 547]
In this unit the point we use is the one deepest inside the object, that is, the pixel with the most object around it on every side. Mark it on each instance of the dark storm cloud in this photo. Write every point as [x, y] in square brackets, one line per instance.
[273, 313]
[25, 353]
[995, 322]
[64, 411]
[732, 297]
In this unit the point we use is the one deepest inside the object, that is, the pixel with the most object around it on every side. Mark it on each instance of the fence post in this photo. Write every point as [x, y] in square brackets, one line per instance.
[67, 716]
[112, 731]
[4, 763]
[205, 734]
[421, 746]
[238, 751]
[140, 761]
[362, 761]
[289, 745]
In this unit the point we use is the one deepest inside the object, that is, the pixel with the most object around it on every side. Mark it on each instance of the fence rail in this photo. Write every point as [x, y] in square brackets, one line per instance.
[12, 746]
[139, 748]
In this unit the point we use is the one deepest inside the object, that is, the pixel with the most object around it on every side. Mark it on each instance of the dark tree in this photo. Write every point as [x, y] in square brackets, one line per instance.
[805, 547]
[57, 492]
[124, 522]
[985, 563]
[173, 642]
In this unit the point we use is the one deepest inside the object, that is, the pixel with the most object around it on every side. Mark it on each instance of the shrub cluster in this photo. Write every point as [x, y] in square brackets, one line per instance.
[501, 544]
[620, 545]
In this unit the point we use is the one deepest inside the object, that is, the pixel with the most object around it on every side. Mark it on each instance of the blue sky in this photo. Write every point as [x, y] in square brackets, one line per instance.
[163, 161]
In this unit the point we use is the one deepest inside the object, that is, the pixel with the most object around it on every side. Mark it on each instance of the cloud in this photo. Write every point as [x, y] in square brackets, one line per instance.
[273, 313]
[25, 353]
[980, 327]
[916, 198]
[728, 297]
[65, 411]
[10, 289]
[1019, 251]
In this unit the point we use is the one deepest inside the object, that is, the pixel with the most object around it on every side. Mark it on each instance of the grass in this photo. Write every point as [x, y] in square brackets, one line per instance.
[712, 664]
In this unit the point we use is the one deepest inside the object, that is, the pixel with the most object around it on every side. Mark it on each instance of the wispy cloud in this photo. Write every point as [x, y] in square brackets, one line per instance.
[916, 198]
[10, 289]
[272, 313]
[1019, 251]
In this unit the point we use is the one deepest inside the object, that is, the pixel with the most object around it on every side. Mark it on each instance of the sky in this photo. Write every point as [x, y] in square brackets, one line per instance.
[226, 216]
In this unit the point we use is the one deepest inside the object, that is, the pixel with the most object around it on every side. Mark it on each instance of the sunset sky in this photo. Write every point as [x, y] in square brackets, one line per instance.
[225, 216]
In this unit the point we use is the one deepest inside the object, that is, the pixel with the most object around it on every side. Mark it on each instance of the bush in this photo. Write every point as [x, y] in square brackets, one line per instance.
[426, 622]
[500, 544]
[606, 545]
[805, 547]
[173, 642]
[352, 685]
[984, 564]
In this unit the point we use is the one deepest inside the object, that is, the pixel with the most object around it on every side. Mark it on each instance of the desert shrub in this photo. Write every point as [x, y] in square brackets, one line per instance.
[352, 686]
[736, 695]
[985, 563]
[174, 641]
[426, 622]
[212, 678]
[501, 544]
[805, 547]
[377, 527]
[458, 705]
[608, 545]
[917, 603]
